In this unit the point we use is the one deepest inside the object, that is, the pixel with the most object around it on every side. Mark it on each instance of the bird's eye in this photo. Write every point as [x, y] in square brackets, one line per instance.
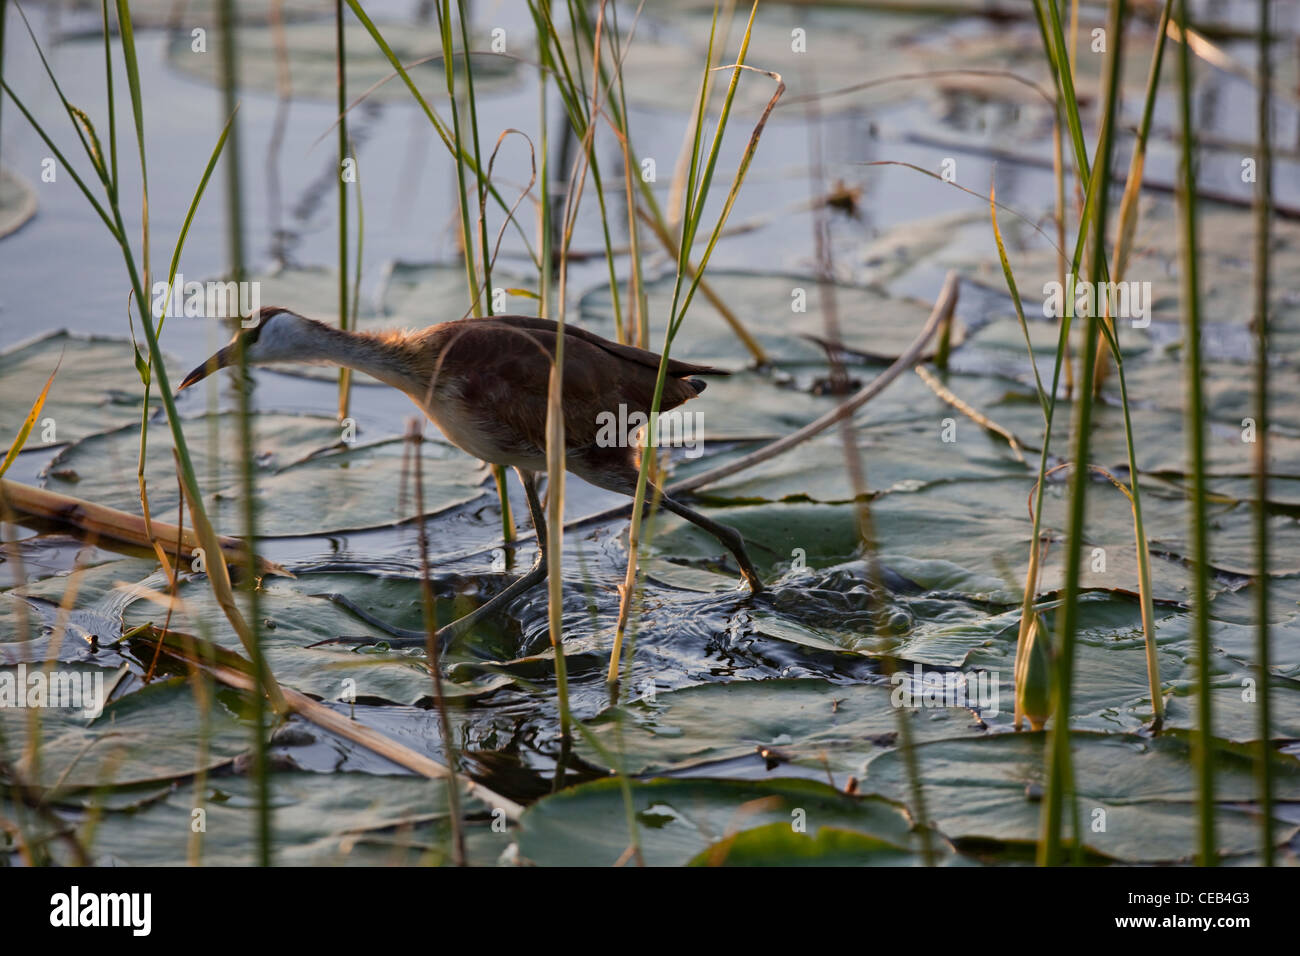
[253, 331]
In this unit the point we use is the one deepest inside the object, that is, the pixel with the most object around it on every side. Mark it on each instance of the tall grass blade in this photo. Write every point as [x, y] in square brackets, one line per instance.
[248, 481]
[1195, 431]
[29, 422]
[458, 152]
[341, 91]
[1263, 212]
[218, 572]
[1058, 765]
[415, 437]
[692, 214]
[4, 10]
[1128, 207]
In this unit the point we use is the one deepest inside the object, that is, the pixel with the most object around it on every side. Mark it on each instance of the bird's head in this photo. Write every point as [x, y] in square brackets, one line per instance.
[270, 334]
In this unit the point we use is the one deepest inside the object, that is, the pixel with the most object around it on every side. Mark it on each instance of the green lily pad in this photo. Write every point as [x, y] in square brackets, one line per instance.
[305, 485]
[96, 612]
[664, 67]
[826, 533]
[1239, 641]
[936, 538]
[1227, 275]
[812, 722]
[818, 471]
[311, 61]
[1145, 789]
[426, 293]
[1229, 395]
[872, 323]
[160, 14]
[124, 745]
[1235, 708]
[17, 202]
[96, 389]
[295, 615]
[776, 844]
[677, 819]
[318, 819]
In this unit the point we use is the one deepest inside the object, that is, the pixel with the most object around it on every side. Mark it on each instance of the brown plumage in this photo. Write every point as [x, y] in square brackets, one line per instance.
[484, 383]
[490, 378]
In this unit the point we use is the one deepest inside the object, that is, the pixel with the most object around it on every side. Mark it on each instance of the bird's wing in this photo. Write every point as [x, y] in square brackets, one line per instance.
[503, 370]
[630, 353]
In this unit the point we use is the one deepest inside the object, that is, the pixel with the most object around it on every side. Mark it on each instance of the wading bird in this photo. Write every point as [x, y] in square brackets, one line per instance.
[484, 383]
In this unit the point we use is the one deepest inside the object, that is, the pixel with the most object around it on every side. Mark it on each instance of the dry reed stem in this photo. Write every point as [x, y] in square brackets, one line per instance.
[118, 525]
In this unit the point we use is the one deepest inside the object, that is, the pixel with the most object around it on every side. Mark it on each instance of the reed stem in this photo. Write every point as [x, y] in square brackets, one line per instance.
[1059, 772]
[341, 89]
[1203, 748]
[1263, 626]
[247, 440]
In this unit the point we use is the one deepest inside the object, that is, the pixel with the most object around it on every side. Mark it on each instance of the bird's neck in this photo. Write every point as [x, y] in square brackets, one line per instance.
[385, 356]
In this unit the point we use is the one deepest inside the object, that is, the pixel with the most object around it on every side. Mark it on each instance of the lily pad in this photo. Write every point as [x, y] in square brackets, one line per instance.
[159, 14]
[664, 67]
[782, 313]
[677, 819]
[966, 537]
[426, 293]
[295, 615]
[826, 533]
[812, 722]
[888, 459]
[1144, 788]
[123, 745]
[777, 844]
[319, 819]
[96, 389]
[17, 202]
[1235, 703]
[305, 483]
[95, 617]
[1227, 275]
[311, 61]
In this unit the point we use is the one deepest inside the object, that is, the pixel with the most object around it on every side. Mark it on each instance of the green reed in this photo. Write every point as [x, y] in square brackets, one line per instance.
[1059, 773]
[247, 440]
[1194, 400]
[1263, 212]
[701, 170]
[341, 98]
[1054, 42]
[105, 169]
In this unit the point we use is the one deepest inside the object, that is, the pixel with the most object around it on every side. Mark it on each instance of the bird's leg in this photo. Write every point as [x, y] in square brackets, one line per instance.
[530, 580]
[448, 632]
[535, 511]
[727, 535]
[400, 636]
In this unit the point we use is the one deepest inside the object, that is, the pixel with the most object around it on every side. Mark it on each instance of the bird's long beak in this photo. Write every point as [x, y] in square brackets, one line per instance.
[225, 357]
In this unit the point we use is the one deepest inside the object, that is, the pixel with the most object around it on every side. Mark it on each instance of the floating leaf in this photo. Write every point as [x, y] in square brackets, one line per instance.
[124, 745]
[357, 819]
[777, 844]
[1136, 795]
[17, 202]
[96, 389]
[782, 312]
[677, 819]
[306, 482]
[297, 615]
[812, 722]
[311, 61]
